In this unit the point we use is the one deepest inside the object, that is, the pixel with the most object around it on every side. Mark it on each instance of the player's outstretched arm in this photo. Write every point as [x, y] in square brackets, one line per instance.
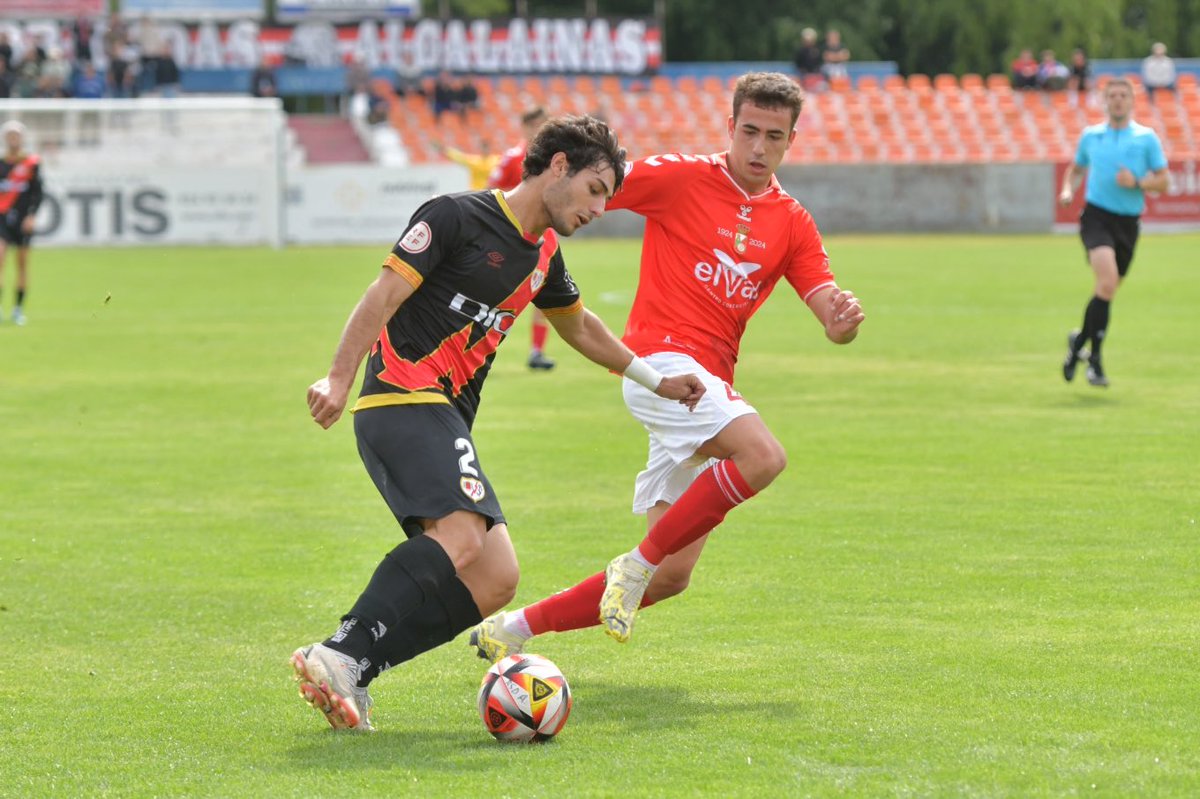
[839, 311]
[587, 334]
[327, 396]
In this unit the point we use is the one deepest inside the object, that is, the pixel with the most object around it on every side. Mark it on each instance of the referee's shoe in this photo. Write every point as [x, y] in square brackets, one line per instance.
[1074, 356]
[1095, 373]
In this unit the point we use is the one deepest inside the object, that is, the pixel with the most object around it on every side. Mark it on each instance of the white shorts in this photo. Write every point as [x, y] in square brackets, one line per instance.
[675, 432]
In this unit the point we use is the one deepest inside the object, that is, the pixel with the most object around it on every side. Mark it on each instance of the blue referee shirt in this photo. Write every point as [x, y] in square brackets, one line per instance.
[1104, 150]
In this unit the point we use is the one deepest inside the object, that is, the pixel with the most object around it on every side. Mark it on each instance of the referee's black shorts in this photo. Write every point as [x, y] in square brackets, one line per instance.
[423, 461]
[1101, 228]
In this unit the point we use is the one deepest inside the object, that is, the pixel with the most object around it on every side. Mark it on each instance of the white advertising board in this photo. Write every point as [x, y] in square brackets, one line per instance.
[366, 204]
[177, 205]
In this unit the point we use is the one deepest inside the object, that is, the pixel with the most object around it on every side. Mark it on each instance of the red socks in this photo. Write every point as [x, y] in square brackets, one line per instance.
[540, 331]
[698, 511]
[573, 609]
[701, 508]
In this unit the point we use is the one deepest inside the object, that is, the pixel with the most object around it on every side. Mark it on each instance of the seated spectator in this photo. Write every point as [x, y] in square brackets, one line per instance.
[834, 56]
[466, 95]
[1051, 75]
[1158, 70]
[809, 60]
[88, 84]
[444, 95]
[1081, 72]
[55, 74]
[408, 80]
[262, 80]
[168, 76]
[1025, 71]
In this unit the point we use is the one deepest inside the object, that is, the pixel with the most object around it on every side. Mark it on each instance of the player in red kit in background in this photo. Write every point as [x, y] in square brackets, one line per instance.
[20, 196]
[720, 233]
[506, 175]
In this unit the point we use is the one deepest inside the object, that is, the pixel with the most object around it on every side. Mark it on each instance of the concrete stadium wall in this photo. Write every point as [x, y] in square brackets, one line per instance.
[881, 198]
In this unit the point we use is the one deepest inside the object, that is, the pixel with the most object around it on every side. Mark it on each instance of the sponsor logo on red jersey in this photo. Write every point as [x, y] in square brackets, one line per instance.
[729, 281]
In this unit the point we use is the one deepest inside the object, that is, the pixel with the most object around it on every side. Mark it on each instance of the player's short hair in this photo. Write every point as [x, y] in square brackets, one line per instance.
[768, 90]
[586, 141]
[1119, 80]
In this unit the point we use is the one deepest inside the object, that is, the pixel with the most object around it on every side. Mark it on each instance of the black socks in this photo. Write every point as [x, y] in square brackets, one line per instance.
[410, 576]
[1095, 325]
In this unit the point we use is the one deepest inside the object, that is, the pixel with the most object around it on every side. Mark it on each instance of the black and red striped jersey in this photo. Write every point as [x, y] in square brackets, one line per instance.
[20, 185]
[474, 271]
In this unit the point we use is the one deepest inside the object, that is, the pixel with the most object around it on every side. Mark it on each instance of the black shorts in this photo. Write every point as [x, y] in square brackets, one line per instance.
[1100, 228]
[423, 461]
[10, 229]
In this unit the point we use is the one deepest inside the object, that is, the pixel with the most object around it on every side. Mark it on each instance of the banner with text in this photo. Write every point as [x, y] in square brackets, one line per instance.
[626, 46]
[290, 10]
[1179, 206]
[361, 204]
[194, 9]
[159, 206]
[55, 9]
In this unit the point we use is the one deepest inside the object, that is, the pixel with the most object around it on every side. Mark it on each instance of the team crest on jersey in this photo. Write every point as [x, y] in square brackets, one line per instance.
[417, 239]
[741, 238]
[472, 488]
[536, 280]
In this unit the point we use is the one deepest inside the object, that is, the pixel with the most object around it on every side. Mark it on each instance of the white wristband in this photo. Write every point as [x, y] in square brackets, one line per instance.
[643, 374]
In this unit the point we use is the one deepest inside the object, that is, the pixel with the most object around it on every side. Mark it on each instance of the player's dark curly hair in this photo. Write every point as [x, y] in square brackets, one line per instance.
[768, 90]
[586, 141]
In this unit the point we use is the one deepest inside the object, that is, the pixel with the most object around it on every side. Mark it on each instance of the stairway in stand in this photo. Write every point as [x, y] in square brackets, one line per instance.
[327, 139]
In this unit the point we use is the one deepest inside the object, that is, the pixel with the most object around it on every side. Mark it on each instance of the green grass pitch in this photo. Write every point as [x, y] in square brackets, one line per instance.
[972, 580]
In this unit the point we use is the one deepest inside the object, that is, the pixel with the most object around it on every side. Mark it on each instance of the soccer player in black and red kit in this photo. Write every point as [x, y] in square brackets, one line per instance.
[429, 326]
[20, 196]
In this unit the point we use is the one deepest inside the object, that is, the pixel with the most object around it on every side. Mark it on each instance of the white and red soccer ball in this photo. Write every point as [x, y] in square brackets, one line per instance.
[524, 698]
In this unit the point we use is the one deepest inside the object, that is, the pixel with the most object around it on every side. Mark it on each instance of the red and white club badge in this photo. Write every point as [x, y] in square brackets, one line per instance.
[417, 238]
[472, 488]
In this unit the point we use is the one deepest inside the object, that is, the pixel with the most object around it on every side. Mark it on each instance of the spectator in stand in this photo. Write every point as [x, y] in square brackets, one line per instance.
[466, 95]
[55, 75]
[116, 49]
[1158, 70]
[1052, 75]
[262, 80]
[82, 31]
[88, 84]
[834, 56]
[6, 52]
[408, 80]
[1081, 72]
[444, 95]
[150, 43]
[1025, 71]
[6, 80]
[808, 60]
[168, 76]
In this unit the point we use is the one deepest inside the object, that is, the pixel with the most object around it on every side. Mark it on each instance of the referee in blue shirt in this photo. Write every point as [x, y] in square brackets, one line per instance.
[1122, 160]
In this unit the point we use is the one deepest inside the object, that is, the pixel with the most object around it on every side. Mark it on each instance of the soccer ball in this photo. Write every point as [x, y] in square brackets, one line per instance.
[524, 698]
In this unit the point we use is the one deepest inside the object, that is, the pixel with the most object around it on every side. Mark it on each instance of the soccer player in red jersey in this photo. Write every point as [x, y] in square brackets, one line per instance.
[505, 175]
[720, 234]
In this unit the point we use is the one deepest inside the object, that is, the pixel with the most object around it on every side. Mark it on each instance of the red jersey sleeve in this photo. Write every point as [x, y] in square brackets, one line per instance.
[652, 184]
[507, 172]
[808, 267]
